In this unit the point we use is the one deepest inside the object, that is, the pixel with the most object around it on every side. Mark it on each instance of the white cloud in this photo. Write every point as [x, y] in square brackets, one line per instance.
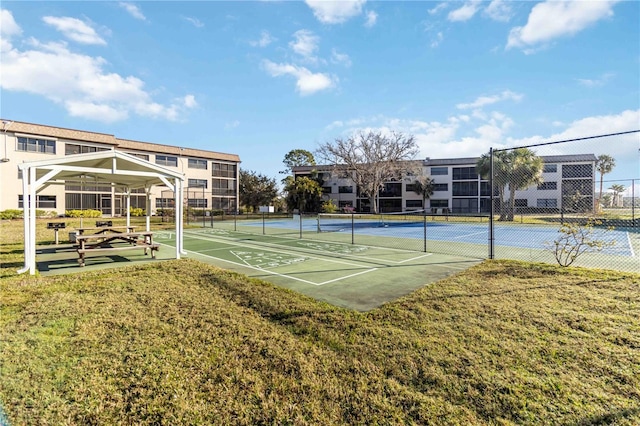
[194, 21]
[305, 44]
[133, 10]
[372, 18]
[265, 40]
[74, 29]
[465, 12]
[307, 83]
[189, 101]
[80, 84]
[8, 26]
[438, 8]
[340, 58]
[335, 11]
[602, 80]
[463, 136]
[437, 40]
[499, 10]
[8, 29]
[553, 19]
[488, 100]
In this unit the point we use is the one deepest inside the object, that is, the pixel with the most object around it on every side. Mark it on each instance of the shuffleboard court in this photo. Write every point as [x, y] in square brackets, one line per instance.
[350, 275]
[462, 236]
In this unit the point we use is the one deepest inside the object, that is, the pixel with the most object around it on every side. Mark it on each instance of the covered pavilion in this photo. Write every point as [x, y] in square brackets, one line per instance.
[124, 172]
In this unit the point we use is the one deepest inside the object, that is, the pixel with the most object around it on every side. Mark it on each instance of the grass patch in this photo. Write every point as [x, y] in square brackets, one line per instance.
[181, 342]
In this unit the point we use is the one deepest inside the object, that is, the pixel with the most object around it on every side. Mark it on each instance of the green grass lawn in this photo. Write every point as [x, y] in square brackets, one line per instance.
[181, 342]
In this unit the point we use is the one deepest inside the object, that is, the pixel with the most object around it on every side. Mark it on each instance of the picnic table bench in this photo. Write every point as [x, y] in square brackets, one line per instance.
[114, 242]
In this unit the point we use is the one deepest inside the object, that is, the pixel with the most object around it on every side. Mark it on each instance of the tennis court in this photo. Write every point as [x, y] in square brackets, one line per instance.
[461, 236]
[355, 276]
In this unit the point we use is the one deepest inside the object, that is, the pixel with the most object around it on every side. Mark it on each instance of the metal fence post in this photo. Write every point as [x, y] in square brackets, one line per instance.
[491, 205]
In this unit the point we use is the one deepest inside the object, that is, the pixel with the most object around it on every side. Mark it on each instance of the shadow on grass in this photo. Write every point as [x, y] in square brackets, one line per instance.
[632, 414]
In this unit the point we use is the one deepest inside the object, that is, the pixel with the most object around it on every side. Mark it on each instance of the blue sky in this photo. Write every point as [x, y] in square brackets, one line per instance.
[261, 78]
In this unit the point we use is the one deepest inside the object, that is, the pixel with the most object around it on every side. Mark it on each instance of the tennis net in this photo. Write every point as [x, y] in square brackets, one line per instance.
[336, 222]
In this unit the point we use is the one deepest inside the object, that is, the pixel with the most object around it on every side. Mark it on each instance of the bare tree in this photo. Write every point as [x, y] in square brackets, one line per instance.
[373, 158]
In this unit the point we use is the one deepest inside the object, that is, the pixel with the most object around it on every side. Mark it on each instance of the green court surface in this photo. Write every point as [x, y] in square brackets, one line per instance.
[353, 276]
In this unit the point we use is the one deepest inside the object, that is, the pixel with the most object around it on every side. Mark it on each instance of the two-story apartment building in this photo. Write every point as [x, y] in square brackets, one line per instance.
[568, 184]
[211, 178]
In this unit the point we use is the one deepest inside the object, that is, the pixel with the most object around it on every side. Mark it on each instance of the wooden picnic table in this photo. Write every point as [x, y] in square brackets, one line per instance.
[113, 242]
[106, 229]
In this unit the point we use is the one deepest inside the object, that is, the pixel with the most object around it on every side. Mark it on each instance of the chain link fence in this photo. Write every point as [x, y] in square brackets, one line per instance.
[555, 202]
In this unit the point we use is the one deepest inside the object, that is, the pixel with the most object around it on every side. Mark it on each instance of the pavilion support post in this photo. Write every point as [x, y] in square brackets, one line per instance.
[25, 220]
[128, 194]
[148, 204]
[31, 200]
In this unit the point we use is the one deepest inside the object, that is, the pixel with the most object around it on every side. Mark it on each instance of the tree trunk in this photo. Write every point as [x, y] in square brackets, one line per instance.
[512, 204]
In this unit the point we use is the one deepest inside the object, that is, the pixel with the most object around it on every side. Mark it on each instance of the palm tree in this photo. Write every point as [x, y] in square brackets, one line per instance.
[617, 190]
[604, 164]
[423, 185]
[516, 169]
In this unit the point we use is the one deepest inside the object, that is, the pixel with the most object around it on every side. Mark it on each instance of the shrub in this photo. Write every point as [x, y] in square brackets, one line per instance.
[137, 211]
[329, 207]
[10, 214]
[576, 238]
[83, 213]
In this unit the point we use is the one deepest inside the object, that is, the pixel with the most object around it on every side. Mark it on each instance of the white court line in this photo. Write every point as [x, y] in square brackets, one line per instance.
[469, 235]
[630, 245]
[348, 276]
[415, 258]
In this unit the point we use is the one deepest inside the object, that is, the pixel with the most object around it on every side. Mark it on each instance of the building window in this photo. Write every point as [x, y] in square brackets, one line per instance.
[226, 204]
[413, 204]
[544, 186]
[326, 190]
[72, 148]
[200, 203]
[550, 168]
[439, 203]
[464, 188]
[438, 187]
[197, 183]
[167, 160]
[521, 202]
[36, 145]
[143, 156]
[577, 170]
[223, 170]
[464, 173]
[439, 171]
[464, 205]
[410, 187]
[196, 163]
[345, 189]
[223, 186]
[547, 202]
[165, 203]
[391, 190]
[42, 202]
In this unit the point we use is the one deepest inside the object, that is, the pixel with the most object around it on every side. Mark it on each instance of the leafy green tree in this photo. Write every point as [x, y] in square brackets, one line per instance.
[296, 158]
[256, 189]
[423, 186]
[373, 158]
[604, 164]
[304, 194]
[513, 170]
